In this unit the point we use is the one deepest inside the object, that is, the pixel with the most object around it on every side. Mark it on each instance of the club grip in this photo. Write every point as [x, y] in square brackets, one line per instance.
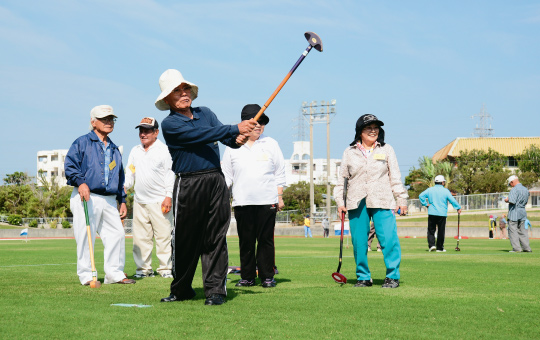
[345, 185]
[86, 212]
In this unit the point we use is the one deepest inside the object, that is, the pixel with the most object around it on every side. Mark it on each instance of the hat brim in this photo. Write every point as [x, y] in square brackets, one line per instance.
[160, 103]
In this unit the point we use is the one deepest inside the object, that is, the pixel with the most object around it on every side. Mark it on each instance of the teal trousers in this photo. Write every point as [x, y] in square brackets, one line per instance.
[386, 231]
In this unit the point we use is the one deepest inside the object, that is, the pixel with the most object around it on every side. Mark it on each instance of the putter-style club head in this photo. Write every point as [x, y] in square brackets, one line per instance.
[339, 278]
[314, 40]
[95, 284]
[457, 249]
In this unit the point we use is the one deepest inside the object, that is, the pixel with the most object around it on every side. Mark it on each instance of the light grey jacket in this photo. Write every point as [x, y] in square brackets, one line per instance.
[376, 178]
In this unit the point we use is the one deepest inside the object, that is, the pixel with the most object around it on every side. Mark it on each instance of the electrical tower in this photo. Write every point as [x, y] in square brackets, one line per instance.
[483, 129]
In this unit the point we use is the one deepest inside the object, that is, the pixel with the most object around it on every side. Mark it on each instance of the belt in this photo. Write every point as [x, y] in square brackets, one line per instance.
[198, 173]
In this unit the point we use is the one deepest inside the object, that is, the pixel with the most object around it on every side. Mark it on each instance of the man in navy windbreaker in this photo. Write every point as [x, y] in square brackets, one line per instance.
[93, 166]
[436, 199]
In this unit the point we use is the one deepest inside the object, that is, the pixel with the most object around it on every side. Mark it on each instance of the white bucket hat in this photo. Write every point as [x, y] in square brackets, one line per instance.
[101, 111]
[439, 179]
[168, 81]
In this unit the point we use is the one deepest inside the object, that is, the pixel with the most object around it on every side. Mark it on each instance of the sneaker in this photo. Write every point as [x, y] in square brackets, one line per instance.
[364, 283]
[379, 249]
[432, 248]
[390, 283]
[515, 251]
[167, 276]
[142, 275]
[527, 251]
[269, 283]
[369, 249]
[441, 251]
[245, 283]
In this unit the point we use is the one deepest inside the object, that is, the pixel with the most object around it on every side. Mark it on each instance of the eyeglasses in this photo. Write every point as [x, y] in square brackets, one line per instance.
[370, 128]
[107, 119]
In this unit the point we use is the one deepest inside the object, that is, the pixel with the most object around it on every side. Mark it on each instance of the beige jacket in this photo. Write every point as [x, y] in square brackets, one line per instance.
[376, 178]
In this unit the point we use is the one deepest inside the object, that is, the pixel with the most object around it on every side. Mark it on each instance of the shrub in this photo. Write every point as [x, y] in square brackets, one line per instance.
[52, 224]
[65, 224]
[15, 219]
[33, 224]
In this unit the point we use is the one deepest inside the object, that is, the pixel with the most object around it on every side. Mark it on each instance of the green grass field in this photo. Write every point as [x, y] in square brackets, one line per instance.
[482, 292]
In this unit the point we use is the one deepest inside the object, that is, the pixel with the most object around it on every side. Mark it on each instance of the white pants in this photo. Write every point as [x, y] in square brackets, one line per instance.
[105, 220]
[149, 222]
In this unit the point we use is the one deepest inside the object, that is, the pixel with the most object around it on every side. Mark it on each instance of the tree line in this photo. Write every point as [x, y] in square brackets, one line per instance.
[475, 172]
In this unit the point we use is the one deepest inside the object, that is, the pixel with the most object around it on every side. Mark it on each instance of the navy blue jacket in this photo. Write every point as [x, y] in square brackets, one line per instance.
[84, 164]
[193, 142]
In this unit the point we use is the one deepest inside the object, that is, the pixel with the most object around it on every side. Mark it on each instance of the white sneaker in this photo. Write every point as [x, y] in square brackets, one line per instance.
[369, 249]
[432, 248]
[441, 251]
[142, 275]
[167, 276]
[379, 249]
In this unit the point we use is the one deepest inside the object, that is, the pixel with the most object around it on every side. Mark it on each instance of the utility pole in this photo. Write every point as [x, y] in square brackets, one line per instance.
[327, 109]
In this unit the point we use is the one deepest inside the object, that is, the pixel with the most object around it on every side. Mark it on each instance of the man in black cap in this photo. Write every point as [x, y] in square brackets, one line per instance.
[256, 172]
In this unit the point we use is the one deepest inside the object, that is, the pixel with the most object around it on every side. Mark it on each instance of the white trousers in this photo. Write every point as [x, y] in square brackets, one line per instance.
[149, 222]
[104, 220]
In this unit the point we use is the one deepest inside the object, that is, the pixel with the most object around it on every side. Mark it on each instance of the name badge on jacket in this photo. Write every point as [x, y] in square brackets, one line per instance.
[112, 165]
[379, 156]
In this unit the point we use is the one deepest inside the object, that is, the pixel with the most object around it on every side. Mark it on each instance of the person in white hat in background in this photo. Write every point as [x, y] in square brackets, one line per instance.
[436, 199]
[517, 200]
[149, 170]
[201, 203]
[93, 166]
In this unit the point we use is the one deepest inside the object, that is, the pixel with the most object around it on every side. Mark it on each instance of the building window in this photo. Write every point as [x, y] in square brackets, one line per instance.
[296, 167]
[305, 157]
[44, 173]
[324, 167]
[54, 158]
[314, 167]
[54, 173]
[42, 159]
[296, 157]
[511, 162]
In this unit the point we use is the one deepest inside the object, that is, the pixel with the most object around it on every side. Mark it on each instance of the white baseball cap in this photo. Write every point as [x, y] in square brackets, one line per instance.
[101, 111]
[170, 80]
[511, 178]
[439, 179]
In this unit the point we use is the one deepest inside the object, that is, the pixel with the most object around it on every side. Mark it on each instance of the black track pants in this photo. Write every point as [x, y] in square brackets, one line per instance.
[434, 222]
[255, 223]
[202, 216]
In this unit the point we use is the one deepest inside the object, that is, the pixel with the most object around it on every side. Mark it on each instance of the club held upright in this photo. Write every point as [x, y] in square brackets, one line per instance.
[457, 247]
[94, 283]
[337, 276]
[314, 42]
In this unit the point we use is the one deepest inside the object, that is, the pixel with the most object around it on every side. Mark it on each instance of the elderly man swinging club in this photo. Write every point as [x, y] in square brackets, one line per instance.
[201, 197]
[93, 167]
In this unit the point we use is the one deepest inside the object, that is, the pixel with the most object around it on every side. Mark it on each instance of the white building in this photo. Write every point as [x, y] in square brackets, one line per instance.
[51, 164]
[297, 167]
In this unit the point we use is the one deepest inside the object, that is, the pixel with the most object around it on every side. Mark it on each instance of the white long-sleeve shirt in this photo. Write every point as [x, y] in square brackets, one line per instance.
[254, 172]
[151, 173]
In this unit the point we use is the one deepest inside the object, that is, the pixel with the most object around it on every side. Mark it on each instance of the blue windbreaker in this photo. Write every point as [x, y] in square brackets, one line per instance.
[438, 198]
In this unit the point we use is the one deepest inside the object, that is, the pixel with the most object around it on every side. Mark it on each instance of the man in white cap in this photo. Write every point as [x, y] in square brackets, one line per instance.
[517, 199]
[149, 169]
[436, 199]
[201, 197]
[93, 166]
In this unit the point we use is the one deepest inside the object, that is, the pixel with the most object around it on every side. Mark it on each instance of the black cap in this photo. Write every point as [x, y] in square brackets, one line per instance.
[250, 111]
[364, 121]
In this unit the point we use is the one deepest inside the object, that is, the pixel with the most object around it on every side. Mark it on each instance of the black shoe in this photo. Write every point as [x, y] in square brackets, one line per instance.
[245, 283]
[215, 299]
[173, 298]
[390, 283]
[363, 283]
[269, 283]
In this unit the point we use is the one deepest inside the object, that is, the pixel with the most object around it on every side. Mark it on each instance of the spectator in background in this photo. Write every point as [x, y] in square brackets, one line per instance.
[492, 226]
[371, 236]
[517, 199]
[502, 227]
[307, 226]
[256, 172]
[149, 169]
[436, 199]
[326, 227]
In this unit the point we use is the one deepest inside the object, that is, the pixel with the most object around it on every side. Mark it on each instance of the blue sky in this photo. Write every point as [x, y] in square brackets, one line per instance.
[423, 67]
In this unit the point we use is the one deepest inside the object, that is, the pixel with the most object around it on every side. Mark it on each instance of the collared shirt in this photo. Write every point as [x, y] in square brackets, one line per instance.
[376, 178]
[193, 142]
[85, 163]
[255, 172]
[438, 198]
[151, 173]
[365, 151]
[107, 151]
[517, 199]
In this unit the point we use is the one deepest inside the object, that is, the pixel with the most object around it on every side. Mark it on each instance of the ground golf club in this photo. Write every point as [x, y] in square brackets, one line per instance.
[337, 276]
[457, 247]
[94, 283]
[314, 42]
